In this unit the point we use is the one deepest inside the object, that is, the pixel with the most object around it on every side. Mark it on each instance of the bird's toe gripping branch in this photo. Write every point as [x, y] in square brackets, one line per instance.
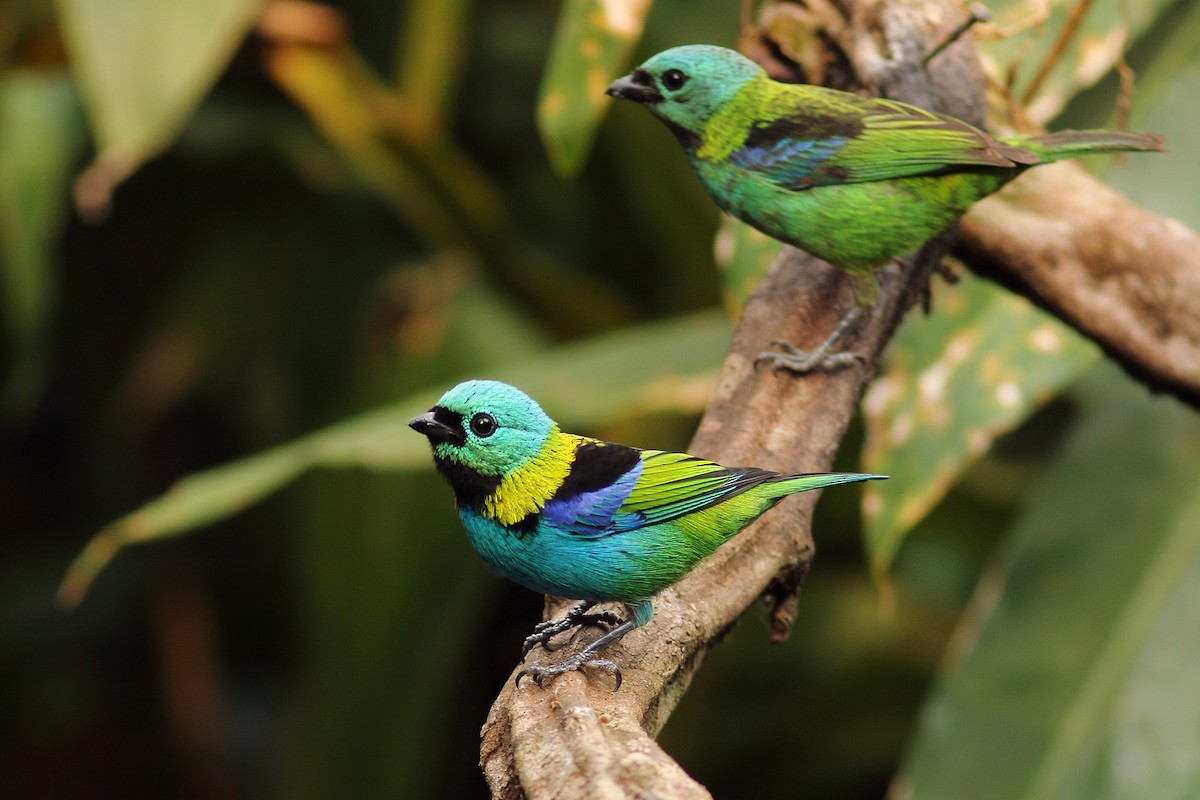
[544, 631]
[639, 614]
[801, 362]
[580, 660]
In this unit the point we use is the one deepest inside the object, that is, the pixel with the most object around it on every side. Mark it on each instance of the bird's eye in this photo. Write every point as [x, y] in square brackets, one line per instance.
[674, 79]
[483, 425]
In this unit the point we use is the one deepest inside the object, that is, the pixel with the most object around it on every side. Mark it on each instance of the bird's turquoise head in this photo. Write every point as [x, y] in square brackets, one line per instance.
[685, 86]
[487, 427]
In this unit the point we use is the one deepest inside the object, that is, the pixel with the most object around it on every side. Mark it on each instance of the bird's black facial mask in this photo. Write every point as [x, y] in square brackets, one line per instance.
[637, 86]
[440, 425]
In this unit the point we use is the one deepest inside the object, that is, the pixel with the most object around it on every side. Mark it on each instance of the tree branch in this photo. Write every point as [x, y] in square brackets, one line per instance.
[1126, 278]
[1119, 274]
[578, 738]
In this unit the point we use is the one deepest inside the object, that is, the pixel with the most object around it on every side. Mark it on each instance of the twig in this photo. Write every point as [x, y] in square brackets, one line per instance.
[1060, 46]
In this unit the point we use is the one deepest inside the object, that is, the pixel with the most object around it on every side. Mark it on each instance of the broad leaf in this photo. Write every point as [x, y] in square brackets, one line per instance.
[144, 65]
[591, 47]
[953, 382]
[41, 133]
[1166, 97]
[1078, 676]
[660, 366]
[1032, 30]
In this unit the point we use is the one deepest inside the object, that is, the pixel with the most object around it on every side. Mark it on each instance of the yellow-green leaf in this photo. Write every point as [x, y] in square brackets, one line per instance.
[143, 65]
[1103, 34]
[41, 133]
[591, 46]
[1077, 678]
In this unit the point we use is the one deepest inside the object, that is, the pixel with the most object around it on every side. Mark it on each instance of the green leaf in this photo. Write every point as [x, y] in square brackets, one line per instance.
[41, 133]
[659, 366]
[1096, 47]
[143, 66]
[1165, 101]
[592, 45]
[744, 255]
[1078, 679]
[951, 383]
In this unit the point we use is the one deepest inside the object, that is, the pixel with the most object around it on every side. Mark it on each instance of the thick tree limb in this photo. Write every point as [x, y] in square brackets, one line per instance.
[578, 738]
[1126, 278]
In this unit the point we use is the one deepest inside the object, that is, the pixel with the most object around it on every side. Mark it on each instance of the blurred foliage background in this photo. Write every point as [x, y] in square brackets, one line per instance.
[241, 240]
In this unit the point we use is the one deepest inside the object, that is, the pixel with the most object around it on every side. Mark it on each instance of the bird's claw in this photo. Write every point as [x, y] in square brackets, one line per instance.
[801, 362]
[541, 674]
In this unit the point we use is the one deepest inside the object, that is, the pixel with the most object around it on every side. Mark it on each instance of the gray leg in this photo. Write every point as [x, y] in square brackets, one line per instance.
[547, 629]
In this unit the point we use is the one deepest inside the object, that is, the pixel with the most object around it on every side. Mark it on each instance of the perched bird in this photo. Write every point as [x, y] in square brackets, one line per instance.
[856, 181]
[579, 518]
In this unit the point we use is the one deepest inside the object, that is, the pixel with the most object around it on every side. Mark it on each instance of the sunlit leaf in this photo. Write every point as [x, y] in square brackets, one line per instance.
[1077, 679]
[41, 133]
[659, 366]
[951, 383]
[591, 47]
[143, 65]
[744, 255]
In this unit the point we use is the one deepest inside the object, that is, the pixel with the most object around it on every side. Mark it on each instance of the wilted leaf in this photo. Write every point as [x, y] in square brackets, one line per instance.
[591, 46]
[143, 66]
[1078, 680]
[951, 383]
[660, 366]
[41, 132]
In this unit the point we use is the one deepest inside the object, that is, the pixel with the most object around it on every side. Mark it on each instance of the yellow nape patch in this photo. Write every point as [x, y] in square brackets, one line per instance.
[527, 489]
[729, 127]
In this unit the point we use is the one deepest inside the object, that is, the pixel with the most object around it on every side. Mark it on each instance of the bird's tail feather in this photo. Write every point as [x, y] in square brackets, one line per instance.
[819, 480]
[1070, 144]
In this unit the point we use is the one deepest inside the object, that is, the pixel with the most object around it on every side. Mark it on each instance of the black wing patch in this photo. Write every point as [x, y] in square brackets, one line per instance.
[596, 465]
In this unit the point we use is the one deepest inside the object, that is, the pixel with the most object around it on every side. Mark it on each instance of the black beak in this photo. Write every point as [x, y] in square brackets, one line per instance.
[437, 431]
[637, 86]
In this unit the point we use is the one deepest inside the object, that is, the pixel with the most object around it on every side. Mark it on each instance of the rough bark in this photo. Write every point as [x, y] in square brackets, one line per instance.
[578, 738]
[1126, 278]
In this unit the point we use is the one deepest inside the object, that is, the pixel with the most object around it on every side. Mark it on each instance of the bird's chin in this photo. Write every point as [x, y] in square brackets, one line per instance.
[634, 87]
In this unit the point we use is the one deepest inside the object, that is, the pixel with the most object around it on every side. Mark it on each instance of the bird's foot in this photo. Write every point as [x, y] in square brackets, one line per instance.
[801, 362]
[639, 614]
[544, 631]
[583, 658]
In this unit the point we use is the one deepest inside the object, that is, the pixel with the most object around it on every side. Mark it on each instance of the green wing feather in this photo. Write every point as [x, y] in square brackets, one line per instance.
[899, 140]
[800, 136]
[674, 484]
